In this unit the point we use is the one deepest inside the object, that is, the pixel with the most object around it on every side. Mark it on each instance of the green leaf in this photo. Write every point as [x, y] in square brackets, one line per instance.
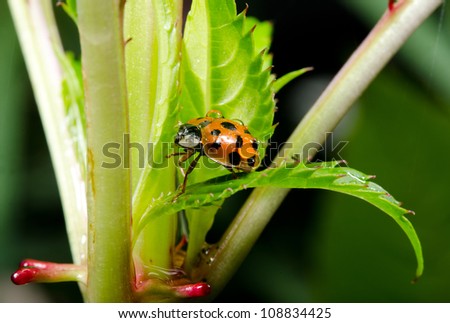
[73, 95]
[285, 79]
[262, 37]
[152, 60]
[152, 53]
[319, 176]
[70, 7]
[223, 68]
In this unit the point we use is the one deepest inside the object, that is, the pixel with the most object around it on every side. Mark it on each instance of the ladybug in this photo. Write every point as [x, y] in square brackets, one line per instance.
[227, 142]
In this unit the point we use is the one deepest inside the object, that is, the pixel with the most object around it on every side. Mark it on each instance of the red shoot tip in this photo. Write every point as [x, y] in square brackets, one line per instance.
[31, 263]
[24, 276]
[391, 5]
[193, 290]
[31, 270]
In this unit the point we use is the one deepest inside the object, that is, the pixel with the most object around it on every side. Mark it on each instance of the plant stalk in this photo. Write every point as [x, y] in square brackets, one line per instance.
[109, 189]
[41, 46]
[392, 30]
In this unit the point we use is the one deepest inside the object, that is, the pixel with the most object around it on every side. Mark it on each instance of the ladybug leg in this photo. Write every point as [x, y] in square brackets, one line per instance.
[188, 171]
[185, 156]
[176, 154]
[231, 169]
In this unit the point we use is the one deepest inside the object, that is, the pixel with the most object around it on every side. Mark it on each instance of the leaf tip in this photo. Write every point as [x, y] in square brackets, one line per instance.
[268, 68]
[245, 9]
[416, 279]
[296, 158]
[342, 163]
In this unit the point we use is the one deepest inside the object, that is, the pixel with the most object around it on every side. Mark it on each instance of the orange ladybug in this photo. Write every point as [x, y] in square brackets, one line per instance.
[227, 142]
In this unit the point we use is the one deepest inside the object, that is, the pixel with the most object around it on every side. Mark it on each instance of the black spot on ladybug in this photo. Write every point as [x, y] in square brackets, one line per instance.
[228, 125]
[254, 145]
[204, 123]
[234, 158]
[238, 142]
[215, 145]
[246, 131]
[212, 149]
[215, 132]
[251, 161]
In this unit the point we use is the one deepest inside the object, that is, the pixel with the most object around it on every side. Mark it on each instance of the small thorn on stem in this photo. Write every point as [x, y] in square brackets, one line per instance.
[128, 40]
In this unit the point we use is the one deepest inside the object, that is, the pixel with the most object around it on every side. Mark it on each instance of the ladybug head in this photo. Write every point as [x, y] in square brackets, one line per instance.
[189, 136]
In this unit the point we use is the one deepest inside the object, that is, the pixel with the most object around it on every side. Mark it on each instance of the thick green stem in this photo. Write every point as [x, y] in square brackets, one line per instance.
[109, 188]
[41, 48]
[366, 62]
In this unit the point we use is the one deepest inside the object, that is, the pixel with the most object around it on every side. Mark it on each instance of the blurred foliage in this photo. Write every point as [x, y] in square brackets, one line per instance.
[402, 136]
[320, 246]
[31, 221]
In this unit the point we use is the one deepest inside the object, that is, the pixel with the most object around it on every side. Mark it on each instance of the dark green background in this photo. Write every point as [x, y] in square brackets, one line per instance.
[320, 246]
